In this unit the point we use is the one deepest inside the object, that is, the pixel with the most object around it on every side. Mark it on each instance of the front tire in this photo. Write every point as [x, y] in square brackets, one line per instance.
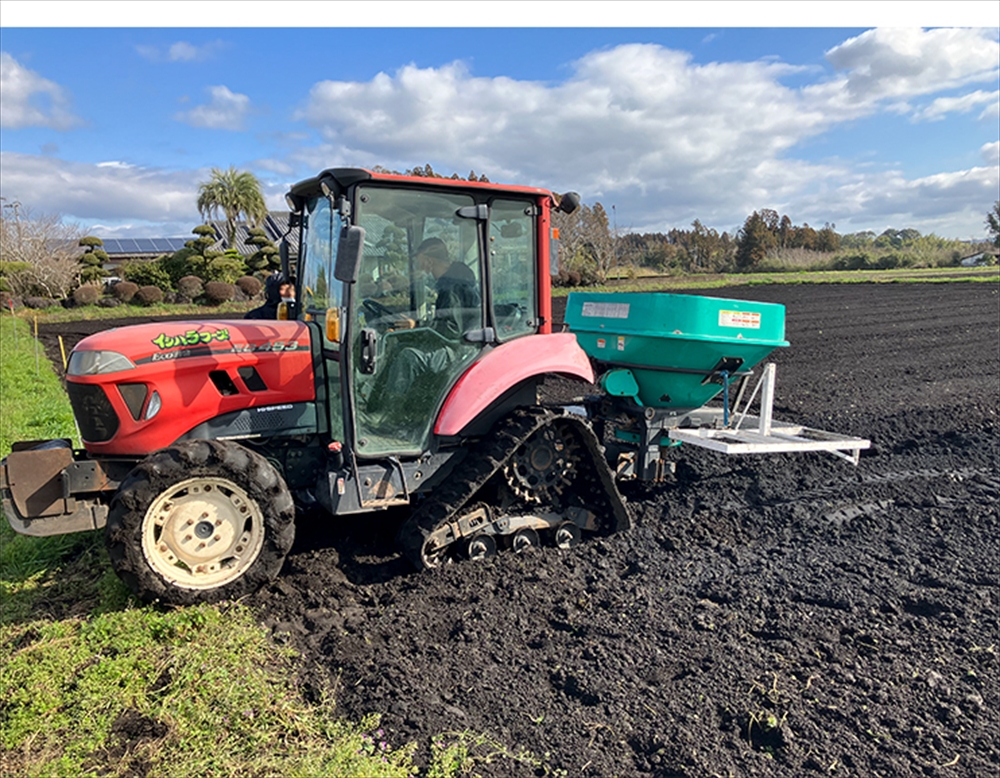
[201, 521]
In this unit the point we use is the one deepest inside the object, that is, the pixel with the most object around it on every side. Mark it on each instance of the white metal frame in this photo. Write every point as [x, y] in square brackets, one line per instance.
[770, 436]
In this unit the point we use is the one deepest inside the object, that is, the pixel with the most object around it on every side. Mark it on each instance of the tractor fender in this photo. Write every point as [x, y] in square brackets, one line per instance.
[503, 368]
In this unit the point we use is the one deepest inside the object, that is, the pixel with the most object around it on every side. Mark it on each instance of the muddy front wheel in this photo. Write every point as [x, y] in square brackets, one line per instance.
[200, 522]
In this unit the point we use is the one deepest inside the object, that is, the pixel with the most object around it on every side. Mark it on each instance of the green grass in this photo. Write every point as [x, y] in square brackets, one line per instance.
[92, 684]
[97, 313]
[938, 275]
[33, 405]
[194, 691]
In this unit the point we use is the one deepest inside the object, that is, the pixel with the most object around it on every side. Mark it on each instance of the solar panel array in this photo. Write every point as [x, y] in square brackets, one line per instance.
[275, 225]
[133, 246]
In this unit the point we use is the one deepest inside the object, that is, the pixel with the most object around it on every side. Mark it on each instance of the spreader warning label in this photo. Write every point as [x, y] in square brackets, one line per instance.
[605, 310]
[745, 319]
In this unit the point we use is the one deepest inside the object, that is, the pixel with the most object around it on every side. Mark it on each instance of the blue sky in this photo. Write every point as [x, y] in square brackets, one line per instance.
[866, 125]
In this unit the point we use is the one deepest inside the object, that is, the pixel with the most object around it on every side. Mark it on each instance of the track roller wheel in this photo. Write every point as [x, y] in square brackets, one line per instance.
[480, 547]
[433, 554]
[568, 535]
[524, 539]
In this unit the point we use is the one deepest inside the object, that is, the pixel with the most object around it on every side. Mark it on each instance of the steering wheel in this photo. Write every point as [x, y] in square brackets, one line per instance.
[382, 314]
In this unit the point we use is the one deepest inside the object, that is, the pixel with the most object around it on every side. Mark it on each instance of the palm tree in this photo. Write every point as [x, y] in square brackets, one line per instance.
[235, 193]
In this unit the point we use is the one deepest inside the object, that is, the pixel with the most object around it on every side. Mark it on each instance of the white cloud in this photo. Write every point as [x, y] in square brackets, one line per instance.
[991, 112]
[120, 198]
[942, 106]
[666, 139]
[226, 111]
[181, 51]
[641, 126]
[991, 153]
[908, 61]
[637, 117]
[101, 192]
[29, 100]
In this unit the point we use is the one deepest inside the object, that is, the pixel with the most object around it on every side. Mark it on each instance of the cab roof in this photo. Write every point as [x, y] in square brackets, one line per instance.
[343, 177]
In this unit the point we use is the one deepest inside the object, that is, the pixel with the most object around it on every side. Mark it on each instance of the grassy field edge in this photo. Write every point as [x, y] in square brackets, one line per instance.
[93, 684]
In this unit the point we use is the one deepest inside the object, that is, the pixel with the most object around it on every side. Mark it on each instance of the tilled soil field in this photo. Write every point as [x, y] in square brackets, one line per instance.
[784, 615]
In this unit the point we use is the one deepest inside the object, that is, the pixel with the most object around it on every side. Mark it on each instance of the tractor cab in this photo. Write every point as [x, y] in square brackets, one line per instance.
[407, 281]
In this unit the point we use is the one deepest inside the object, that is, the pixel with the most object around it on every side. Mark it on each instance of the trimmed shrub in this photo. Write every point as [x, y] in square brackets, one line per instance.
[149, 295]
[190, 286]
[249, 285]
[895, 259]
[178, 264]
[146, 274]
[226, 269]
[860, 260]
[86, 295]
[217, 292]
[567, 278]
[8, 269]
[37, 303]
[124, 291]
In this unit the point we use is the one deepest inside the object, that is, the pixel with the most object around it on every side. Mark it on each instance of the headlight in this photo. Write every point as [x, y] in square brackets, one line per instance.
[97, 363]
[155, 403]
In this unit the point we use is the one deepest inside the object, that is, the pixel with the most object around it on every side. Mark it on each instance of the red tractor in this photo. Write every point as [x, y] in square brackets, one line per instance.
[400, 377]
[407, 372]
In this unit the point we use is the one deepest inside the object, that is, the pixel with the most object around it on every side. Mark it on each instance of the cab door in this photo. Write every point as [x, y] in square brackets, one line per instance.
[321, 299]
[407, 350]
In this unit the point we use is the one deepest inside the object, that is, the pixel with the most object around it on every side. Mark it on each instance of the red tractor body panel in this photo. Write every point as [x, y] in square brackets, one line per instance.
[200, 370]
[505, 367]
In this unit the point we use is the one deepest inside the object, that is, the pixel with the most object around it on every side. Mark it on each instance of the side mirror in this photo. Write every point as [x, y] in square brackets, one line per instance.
[569, 202]
[349, 250]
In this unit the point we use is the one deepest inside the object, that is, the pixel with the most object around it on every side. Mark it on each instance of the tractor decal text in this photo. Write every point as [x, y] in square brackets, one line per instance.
[189, 338]
[277, 345]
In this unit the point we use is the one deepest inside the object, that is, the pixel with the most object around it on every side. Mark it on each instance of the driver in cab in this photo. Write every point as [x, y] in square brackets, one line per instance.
[457, 289]
[457, 309]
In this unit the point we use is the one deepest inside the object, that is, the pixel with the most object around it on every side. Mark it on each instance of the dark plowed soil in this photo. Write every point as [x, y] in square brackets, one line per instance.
[774, 616]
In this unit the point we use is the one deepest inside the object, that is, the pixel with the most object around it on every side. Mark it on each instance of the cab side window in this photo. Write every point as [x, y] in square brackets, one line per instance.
[512, 262]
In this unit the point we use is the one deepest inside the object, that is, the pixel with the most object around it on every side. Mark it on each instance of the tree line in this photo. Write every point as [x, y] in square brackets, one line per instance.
[592, 250]
[39, 255]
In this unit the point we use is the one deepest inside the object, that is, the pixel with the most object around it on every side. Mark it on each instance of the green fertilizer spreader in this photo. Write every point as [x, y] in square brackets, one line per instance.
[672, 351]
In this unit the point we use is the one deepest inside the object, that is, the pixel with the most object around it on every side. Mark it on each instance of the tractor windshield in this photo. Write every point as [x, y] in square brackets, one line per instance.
[419, 293]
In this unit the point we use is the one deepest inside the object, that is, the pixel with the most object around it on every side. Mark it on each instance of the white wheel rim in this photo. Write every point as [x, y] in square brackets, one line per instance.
[202, 533]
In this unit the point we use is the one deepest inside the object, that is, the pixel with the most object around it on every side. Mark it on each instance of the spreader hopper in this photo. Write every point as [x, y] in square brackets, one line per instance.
[673, 351]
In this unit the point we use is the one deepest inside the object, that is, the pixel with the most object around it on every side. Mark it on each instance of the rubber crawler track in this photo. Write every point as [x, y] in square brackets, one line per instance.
[490, 455]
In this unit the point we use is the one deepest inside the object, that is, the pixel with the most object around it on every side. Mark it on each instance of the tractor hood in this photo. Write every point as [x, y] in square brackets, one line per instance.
[138, 389]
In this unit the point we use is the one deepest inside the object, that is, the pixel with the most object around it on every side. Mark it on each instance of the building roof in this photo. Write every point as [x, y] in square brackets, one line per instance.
[275, 226]
[142, 246]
